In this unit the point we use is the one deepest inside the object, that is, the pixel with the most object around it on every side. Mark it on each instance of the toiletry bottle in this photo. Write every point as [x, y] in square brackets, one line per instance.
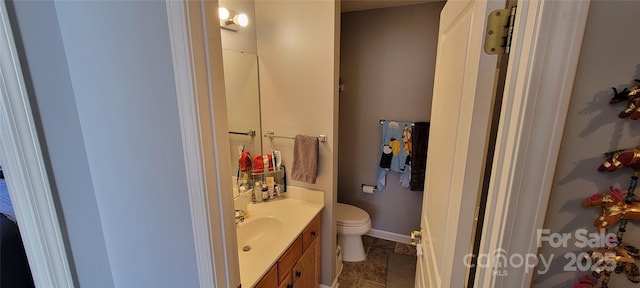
[270, 184]
[277, 158]
[257, 192]
[283, 180]
[265, 193]
[265, 161]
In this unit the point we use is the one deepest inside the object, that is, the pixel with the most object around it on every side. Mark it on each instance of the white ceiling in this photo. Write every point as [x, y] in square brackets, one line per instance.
[358, 5]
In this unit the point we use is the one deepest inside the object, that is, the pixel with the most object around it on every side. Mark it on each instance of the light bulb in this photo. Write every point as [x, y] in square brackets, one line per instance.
[223, 13]
[241, 19]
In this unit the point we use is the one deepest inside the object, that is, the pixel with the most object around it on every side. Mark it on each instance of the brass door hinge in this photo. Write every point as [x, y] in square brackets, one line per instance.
[416, 237]
[499, 31]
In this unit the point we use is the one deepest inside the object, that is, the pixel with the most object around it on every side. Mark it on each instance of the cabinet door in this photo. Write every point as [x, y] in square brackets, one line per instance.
[287, 283]
[309, 238]
[269, 280]
[304, 272]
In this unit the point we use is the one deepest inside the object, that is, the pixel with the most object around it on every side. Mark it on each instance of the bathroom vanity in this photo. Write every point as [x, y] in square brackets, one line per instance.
[299, 266]
[279, 243]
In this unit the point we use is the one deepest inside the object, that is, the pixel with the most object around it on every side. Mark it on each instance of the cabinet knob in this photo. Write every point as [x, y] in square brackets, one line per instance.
[298, 274]
[289, 285]
[313, 233]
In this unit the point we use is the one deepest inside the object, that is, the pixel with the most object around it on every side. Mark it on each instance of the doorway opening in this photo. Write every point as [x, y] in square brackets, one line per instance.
[387, 69]
[14, 266]
[388, 63]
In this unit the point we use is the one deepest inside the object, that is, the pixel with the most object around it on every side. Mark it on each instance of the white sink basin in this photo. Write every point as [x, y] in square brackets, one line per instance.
[270, 228]
[258, 233]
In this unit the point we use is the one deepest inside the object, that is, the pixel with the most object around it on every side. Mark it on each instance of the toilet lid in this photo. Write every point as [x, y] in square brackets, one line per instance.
[350, 215]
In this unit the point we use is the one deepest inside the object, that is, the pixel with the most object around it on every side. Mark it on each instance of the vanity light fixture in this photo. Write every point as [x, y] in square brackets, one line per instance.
[230, 20]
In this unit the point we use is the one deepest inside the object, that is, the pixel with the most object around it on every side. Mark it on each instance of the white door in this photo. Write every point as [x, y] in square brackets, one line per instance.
[462, 98]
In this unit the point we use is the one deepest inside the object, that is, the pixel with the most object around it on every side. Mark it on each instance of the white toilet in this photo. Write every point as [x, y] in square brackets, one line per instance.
[352, 223]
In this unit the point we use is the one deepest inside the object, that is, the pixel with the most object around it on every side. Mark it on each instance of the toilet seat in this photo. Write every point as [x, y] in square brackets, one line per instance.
[350, 216]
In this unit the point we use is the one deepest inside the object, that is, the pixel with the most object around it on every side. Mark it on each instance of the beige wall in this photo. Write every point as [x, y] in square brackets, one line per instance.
[387, 67]
[296, 46]
[609, 57]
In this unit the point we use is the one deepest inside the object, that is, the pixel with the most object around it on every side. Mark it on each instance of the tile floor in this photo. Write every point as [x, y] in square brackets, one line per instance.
[372, 272]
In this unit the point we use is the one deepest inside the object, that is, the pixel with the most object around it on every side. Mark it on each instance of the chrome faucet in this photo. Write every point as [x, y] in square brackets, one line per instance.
[239, 216]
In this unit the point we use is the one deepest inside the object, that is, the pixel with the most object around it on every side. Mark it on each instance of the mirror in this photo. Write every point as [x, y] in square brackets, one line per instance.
[243, 103]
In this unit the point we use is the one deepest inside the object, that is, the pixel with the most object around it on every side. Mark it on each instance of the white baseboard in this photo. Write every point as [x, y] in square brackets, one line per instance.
[389, 236]
[334, 285]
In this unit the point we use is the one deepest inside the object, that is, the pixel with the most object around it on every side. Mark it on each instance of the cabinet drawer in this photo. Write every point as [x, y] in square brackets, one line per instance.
[289, 258]
[311, 232]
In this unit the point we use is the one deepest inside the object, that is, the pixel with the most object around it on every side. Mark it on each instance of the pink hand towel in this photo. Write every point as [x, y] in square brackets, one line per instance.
[305, 159]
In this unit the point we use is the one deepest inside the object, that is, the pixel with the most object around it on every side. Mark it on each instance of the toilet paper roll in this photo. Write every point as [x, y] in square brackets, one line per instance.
[368, 189]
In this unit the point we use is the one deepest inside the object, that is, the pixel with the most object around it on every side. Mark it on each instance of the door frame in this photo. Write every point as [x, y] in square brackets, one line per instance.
[21, 154]
[539, 83]
[200, 88]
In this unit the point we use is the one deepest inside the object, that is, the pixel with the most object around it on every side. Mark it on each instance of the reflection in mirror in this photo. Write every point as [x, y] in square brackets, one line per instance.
[243, 103]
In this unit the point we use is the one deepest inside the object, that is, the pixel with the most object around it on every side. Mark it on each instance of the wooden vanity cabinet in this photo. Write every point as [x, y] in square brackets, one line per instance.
[288, 281]
[303, 272]
[289, 259]
[311, 240]
[270, 279]
[299, 266]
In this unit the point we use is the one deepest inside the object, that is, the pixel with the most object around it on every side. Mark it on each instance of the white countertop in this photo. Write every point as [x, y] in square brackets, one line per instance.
[295, 214]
